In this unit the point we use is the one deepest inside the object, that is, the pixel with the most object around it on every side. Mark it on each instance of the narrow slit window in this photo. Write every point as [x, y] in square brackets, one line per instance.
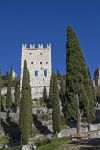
[45, 73]
[36, 73]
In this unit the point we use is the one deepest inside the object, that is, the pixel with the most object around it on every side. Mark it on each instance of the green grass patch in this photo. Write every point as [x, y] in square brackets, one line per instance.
[4, 140]
[11, 148]
[64, 126]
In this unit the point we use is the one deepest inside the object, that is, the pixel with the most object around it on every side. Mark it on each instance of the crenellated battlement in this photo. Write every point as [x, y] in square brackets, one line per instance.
[33, 46]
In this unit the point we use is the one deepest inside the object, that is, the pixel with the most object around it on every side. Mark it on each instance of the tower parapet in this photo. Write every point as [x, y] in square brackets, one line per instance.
[24, 46]
[40, 46]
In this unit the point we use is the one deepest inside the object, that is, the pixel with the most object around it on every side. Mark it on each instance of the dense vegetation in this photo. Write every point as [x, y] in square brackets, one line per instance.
[78, 96]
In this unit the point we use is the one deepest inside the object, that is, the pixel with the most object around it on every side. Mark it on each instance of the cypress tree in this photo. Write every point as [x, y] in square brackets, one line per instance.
[51, 91]
[62, 93]
[9, 98]
[91, 96]
[92, 87]
[17, 95]
[11, 74]
[89, 108]
[76, 95]
[55, 105]
[45, 94]
[26, 106]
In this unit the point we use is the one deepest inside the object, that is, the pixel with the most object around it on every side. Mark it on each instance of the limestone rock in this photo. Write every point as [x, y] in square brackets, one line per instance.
[28, 147]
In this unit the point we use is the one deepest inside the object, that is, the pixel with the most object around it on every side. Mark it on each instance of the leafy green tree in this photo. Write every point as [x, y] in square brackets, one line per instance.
[9, 97]
[56, 118]
[26, 106]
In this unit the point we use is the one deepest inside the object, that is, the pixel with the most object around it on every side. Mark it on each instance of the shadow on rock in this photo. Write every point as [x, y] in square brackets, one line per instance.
[13, 131]
[42, 128]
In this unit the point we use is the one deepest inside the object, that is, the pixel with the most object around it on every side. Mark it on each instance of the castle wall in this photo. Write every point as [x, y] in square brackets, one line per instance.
[39, 66]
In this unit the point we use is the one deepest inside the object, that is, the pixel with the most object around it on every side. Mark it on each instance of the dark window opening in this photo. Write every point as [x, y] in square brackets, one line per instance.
[46, 62]
[30, 53]
[40, 53]
[41, 63]
[36, 73]
[31, 62]
[45, 73]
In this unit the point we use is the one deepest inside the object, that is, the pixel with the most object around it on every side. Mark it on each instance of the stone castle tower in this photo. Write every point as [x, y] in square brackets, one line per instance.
[39, 66]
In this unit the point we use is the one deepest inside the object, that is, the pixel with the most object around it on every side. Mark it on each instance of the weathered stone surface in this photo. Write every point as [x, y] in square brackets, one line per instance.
[28, 147]
[13, 116]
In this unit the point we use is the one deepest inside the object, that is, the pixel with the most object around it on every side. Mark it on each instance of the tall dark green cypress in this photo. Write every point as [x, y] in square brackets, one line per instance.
[92, 87]
[26, 106]
[55, 105]
[9, 97]
[62, 93]
[91, 96]
[76, 93]
[45, 94]
[17, 95]
[51, 91]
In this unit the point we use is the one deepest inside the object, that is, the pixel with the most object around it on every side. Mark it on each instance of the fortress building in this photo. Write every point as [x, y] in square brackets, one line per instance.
[39, 66]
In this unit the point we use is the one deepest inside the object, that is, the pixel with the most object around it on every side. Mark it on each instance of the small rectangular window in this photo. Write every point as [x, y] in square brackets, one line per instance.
[45, 73]
[41, 63]
[36, 73]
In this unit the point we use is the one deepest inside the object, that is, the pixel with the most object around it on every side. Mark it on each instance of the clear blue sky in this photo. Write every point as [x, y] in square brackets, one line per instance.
[45, 21]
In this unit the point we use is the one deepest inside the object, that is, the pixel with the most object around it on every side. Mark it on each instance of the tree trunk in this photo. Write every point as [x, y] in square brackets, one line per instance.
[78, 115]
